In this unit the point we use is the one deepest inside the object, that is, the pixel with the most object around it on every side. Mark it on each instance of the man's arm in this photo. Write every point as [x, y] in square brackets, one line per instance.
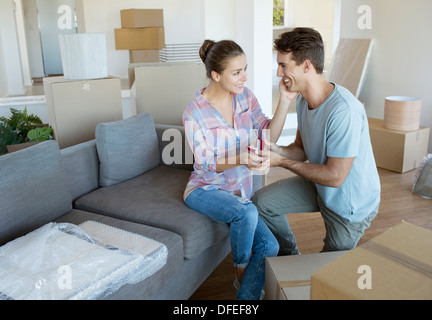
[293, 157]
[294, 151]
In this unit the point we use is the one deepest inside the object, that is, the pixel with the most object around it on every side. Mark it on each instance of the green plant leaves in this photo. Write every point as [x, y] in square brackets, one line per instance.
[40, 134]
[17, 128]
[7, 137]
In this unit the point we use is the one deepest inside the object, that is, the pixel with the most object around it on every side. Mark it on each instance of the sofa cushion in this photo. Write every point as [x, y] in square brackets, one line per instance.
[155, 198]
[126, 148]
[33, 188]
[148, 287]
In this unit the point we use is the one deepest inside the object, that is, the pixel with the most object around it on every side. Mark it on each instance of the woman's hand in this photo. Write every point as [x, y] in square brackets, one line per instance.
[285, 93]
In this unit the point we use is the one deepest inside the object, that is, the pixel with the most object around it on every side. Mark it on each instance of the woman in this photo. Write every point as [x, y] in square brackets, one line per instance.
[222, 120]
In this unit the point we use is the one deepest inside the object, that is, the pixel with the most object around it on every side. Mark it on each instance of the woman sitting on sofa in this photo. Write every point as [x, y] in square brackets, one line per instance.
[222, 120]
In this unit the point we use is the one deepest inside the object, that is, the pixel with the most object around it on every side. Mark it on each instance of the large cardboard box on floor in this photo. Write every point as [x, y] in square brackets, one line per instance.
[288, 277]
[398, 151]
[139, 39]
[396, 265]
[141, 18]
[75, 108]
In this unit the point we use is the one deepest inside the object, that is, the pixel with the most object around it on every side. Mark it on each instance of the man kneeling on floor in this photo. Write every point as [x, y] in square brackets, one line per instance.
[331, 155]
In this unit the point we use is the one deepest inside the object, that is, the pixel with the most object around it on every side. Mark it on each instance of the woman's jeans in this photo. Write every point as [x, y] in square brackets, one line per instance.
[251, 239]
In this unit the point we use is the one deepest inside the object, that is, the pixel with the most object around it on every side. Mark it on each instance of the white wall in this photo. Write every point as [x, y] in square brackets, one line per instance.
[182, 20]
[219, 19]
[254, 33]
[317, 14]
[249, 22]
[401, 60]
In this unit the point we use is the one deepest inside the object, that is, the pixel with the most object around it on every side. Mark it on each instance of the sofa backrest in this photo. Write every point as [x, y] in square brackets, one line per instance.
[81, 164]
[33, 189]
[174, 149]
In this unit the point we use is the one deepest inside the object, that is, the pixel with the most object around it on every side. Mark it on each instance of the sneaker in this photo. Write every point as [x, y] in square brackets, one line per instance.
[237, 285]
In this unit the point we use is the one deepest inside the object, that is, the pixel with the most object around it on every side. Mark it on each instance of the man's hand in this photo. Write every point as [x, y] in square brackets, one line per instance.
[256, 161]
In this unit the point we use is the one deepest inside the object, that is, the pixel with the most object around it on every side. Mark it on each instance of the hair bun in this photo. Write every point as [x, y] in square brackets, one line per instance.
[205, 49]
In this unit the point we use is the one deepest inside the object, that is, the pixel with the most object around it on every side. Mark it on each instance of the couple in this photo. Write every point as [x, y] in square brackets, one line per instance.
[331, 156]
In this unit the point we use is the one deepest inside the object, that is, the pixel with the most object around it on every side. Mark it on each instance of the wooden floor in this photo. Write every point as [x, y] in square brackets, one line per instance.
[398, 204]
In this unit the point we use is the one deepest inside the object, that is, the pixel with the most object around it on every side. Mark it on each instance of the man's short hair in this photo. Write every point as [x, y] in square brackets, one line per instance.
[304, 44]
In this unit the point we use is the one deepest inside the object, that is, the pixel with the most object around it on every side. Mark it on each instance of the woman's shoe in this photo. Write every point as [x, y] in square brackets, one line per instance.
[237, 285]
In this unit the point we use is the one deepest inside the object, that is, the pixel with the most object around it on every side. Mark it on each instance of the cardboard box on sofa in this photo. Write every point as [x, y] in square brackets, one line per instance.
[75, 108]
[396, 265]
[398, 151]
[139, 39]
[288, 277]
[141, 18]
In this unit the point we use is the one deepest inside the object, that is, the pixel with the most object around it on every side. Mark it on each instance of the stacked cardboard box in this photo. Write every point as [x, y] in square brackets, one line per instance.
[142, 33]
[399, 151]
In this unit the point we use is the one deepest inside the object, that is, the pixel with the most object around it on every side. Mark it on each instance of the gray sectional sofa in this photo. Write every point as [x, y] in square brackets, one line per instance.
[119, 179]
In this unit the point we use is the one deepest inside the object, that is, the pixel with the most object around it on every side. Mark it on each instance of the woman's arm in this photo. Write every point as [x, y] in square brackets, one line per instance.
[331, 174]
[277, 123]
[250, 160]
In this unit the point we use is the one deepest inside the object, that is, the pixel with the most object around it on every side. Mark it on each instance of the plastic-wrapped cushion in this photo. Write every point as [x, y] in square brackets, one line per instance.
[65, 261]
[157, 201]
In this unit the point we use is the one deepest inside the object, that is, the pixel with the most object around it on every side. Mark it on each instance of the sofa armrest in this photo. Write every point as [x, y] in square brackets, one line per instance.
[173, 147]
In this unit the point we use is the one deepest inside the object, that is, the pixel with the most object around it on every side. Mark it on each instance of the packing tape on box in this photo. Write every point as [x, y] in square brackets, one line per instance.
[398, 257]
[290, 284]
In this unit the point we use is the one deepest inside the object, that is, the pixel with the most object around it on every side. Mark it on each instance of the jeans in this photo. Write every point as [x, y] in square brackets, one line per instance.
[295, 195]
[251, 239]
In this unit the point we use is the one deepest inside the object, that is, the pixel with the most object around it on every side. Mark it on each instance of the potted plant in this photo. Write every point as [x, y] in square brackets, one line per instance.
[22, 130]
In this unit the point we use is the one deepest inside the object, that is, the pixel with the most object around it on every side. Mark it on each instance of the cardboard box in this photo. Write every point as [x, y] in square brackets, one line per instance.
[288, 277]
[396, 265]
[141, 18]
[398, 151]
[139, 39]
[75, 108]
[138, 56]
[167, 108]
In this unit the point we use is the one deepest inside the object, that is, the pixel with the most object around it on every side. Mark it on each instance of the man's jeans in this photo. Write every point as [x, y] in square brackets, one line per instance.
[295, 195]
[251, 240]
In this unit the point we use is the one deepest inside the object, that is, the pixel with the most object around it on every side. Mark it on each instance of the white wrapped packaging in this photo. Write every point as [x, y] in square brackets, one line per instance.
[62, 261]
[84, 56]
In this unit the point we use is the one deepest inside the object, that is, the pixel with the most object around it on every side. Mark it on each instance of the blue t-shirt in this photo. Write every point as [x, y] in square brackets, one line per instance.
[339, 128]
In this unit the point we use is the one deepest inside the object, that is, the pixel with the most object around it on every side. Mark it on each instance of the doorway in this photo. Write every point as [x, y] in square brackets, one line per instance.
[44, 20]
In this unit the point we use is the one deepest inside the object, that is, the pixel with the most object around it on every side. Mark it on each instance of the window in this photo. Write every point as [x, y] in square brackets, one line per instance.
[278, 12]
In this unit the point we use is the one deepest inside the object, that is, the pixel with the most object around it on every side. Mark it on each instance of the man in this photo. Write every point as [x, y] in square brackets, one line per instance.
[331, 155]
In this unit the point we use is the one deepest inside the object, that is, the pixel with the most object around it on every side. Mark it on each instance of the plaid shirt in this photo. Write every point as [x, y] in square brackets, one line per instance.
[212, 138]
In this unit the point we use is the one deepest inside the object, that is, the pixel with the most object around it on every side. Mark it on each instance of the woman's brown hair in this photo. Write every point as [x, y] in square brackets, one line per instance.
[215, 55]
